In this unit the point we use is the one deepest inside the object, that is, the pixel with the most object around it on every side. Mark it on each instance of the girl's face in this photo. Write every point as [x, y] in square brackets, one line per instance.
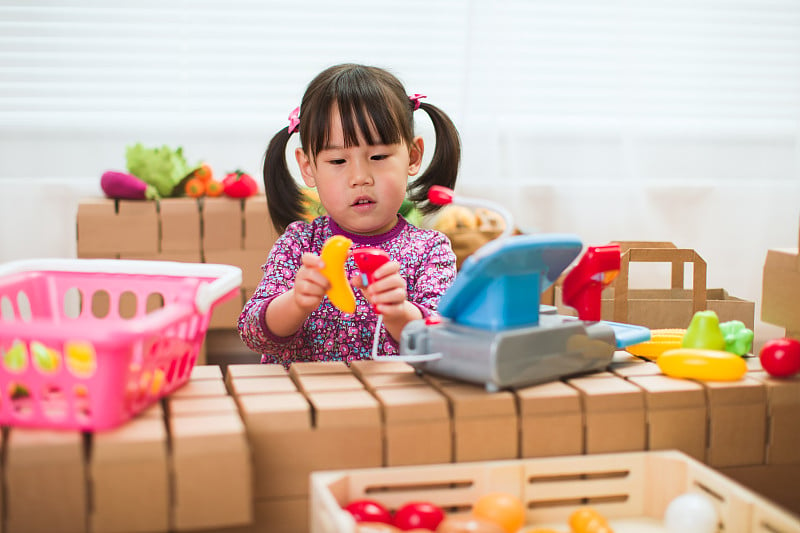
[361, 187]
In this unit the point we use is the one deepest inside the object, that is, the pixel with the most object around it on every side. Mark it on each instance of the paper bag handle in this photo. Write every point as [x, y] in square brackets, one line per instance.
[677, 257]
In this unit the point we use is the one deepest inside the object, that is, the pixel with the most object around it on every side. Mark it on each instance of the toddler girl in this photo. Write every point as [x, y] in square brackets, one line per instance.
[358, 150]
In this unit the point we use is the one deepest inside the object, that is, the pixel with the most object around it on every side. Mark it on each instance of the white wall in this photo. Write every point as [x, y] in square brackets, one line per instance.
[612, 120]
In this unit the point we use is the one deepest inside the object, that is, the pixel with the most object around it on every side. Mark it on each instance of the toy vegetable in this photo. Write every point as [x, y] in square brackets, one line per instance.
[696, 363]
[237, 184]
[126, 186]
[334, 254]
[163, 168]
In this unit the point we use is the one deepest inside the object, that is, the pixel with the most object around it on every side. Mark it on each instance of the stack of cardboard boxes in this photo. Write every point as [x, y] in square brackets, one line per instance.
[182, 465]
[210, 230]
[236, 455]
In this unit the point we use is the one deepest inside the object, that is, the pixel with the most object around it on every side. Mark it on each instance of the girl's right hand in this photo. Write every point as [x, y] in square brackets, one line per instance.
[310, 285]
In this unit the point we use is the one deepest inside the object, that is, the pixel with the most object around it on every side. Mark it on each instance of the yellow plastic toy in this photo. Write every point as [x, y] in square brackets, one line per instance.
[660, 341]
[703, 365]
[334, 254]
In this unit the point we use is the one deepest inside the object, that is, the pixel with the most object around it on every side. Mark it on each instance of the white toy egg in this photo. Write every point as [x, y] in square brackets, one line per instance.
[691, 512]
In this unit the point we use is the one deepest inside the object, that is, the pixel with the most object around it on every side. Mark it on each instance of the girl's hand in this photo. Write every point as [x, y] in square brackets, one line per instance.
[309, 283]
[387, 294]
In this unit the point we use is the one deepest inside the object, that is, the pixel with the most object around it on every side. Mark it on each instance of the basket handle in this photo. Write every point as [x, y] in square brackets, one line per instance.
[208, 293]
[677, 257]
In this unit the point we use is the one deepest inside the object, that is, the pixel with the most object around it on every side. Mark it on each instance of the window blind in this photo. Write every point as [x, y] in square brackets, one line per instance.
[602, 84]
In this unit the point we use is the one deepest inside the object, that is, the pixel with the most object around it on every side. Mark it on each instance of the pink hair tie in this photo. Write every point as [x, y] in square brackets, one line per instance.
[294, 120]
[415, 100]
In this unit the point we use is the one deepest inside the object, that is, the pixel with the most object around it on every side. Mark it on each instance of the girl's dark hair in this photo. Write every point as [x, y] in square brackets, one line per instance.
[371, 101]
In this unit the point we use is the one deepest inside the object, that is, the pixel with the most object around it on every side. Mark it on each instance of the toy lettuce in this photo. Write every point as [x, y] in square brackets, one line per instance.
[163, 167]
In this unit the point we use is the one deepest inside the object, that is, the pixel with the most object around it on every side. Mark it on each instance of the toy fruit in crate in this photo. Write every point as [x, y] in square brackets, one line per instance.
[73, 356]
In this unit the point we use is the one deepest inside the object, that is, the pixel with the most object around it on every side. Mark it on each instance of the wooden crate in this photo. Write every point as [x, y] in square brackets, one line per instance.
[632, 490]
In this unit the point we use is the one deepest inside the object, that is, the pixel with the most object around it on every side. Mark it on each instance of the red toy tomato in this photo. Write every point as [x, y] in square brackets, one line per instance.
[369, 511]
[418, 515]
[781, 357]
[237, 184]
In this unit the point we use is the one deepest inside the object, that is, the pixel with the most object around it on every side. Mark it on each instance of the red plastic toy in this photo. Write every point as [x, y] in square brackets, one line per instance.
[583, 285]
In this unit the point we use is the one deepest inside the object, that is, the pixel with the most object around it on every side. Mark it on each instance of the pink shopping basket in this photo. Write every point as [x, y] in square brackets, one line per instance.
[88, 343]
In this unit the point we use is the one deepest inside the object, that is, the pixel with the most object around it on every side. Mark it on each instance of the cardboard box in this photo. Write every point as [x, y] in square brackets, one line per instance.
[309, 383]
[366, 367]
[614, 414]
[212, 471]
[226, 314]
[180, 257]
[250, 261]
[318, 367]
[737, 422]
[783, 418]
[290, 440]
[106, 226]
[485, 424]
[202, 372]
[129, 473]
[251, 370]
[398, 379]
[262, 385]
[280, 431]
[180, 407]
[417, 428]
[45, 470]
[259, 233]
[222, 224]
[780, 295]
[777, 483]
[200, 388]
[180, 225]
[551, 420]
[281, 515]
[676, 414]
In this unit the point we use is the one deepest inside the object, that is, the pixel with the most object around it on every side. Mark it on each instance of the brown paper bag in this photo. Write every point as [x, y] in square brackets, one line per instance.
[672, 307]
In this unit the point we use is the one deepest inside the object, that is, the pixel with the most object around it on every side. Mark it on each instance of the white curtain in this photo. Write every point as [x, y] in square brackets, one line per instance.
[659, 120]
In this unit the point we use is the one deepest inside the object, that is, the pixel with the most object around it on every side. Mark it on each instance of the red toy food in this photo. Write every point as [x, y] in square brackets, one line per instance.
[781, 357]
[126, 186]
[237, 184]
[369, 511]
[418, 515]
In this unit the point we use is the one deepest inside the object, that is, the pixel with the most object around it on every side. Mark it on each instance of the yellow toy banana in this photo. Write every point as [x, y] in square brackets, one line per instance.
[334, 254]
[660, 341]
[696, 363]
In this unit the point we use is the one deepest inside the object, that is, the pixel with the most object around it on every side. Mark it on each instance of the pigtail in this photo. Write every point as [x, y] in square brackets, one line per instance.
[443, 168]
[284, 197]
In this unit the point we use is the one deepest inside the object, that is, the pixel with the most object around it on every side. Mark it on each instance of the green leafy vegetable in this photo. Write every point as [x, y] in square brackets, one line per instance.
[163, 167]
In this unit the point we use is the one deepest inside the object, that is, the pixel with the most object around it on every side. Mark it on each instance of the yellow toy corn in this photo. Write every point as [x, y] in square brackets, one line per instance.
[334, 255]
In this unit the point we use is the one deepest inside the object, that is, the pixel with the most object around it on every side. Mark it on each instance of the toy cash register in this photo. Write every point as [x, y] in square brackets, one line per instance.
[493, 330]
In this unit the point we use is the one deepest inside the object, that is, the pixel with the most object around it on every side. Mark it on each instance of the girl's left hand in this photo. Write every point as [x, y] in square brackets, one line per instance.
[387, 292]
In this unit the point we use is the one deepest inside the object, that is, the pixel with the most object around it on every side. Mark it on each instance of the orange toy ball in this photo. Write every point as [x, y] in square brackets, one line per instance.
[588, 521]
[501, 508]
[468, 524]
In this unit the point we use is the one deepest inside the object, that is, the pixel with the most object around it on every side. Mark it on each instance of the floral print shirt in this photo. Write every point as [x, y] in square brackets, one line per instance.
[427, 263]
